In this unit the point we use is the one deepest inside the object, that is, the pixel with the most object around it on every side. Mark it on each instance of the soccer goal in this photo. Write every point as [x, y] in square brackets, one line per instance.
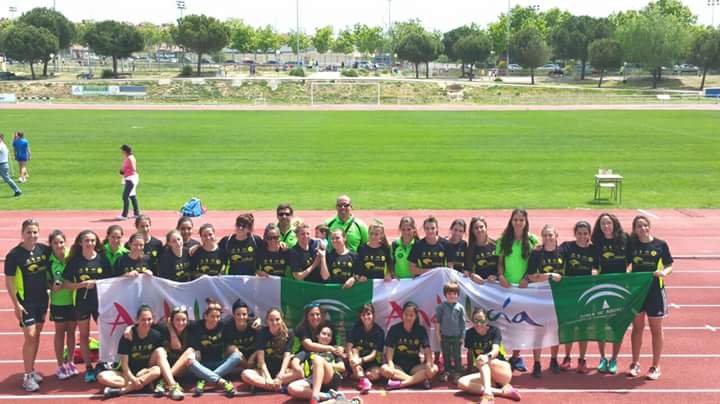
[344, 92]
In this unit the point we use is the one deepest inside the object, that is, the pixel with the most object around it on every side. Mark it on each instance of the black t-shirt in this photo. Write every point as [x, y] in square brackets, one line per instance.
[153, 248]
[125, 264]
[579, 261]
[80, 269]
[245, 341]
[34, 268]
[139, 350]
[241, 253]
[275, 263]
[545, 262]
[203, 262]
[482, 260]
[428, 256]
[273, 357]
[366, 342]
[301, 259]
[174, 268]
[173, 354]
[341, 267]
[190, 243]
[649, 257]
[374, 261]
[482, 344]
[208, 342]
[612, 256]
[456, 254]
[407, 345]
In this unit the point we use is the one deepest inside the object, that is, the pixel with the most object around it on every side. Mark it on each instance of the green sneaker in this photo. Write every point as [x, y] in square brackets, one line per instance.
[612, 366]
[603, 366]
[228, 389]
[159, 390]
[176, 393]
[199, 388]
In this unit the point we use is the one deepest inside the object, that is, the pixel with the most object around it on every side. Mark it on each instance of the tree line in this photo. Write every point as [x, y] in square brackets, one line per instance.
[663, 33]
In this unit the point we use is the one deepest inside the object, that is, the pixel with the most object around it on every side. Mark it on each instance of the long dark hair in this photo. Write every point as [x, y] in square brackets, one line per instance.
[304, 324]
[472, 240]
[508, 235]
[111, 229]
[414, 307]
[633, 236]
[619, 235]
[76, 249]
[280, 340]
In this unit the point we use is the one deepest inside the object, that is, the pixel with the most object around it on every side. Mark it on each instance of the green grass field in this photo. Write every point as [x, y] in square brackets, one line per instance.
[393, 160]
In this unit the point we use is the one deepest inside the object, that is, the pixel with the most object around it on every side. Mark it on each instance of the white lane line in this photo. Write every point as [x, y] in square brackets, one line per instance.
[11, 333]
[646, 213]
[675, 306]
[692, 287]
[711, 328]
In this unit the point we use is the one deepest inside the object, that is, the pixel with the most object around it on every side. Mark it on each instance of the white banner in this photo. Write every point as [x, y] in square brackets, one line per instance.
[526, 316]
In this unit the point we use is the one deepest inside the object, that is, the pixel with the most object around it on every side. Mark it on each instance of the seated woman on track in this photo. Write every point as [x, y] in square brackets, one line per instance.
[240, 335]
[365, 344]
[274, 346]
[322, 372]
[142, 361]
[404, 343]
[484, 342]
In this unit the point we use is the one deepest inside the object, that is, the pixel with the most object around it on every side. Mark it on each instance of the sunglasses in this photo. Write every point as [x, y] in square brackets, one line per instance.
[240, 226]
[343, 205]
[480, 322]
[179, 309]
[284, 214]
[311, 305]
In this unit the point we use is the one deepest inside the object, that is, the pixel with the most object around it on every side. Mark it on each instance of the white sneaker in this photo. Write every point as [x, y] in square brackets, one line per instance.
[121, 217]
[37, 376]
[29, 383]
[654, 373]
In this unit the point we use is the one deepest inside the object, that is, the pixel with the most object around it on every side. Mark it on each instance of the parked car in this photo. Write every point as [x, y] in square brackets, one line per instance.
[549, 67]
[514, 67]
[685, 68]
[248, 62]
[7, 76]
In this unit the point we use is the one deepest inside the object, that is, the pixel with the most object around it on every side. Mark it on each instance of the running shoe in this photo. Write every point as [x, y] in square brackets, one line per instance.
[427, 385]
[18, 193]
[37, 376]
[121, 217]
[555, 366]
[199, 388]
[653, 373]
[537, 370]
[393, 385]
[159, 390]
[29, 383]
[336, 395]
[90, 375]
[634, 370]
[109, 392]
[176, 393]
[62, 373]
[582, 367]
[72, 369]
[603, 365]
[511, 393]
[518, 364]
[364, 385]
[487, 399]
[612, 366]
[228, 389]
[566, 363]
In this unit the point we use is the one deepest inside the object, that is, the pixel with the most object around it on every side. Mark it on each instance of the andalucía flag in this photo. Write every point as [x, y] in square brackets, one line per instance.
[596, 308]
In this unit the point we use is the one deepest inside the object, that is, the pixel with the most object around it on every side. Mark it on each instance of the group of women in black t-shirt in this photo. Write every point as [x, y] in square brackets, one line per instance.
[214, 347]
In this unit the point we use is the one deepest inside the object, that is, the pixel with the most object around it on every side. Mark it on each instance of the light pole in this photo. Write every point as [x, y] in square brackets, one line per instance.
[390, 51]
[181, 6]
[297, 30]
[712, 4]
[509, 18]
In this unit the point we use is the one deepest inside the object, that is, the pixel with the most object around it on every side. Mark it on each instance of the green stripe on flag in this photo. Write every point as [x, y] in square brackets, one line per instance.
[598, 308]
[340, 305]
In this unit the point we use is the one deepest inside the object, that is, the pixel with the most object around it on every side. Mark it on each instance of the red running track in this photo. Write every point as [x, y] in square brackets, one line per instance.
[692, 349]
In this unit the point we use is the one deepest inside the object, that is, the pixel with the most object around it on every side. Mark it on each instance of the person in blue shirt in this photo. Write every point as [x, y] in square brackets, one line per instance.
[22, 154]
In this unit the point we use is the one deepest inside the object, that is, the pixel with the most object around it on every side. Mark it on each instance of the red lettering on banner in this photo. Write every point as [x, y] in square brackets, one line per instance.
[122, 318]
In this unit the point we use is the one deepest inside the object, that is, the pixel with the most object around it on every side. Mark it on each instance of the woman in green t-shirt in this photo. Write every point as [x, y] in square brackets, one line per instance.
[402, 246]
[62, 310]
[513, 251]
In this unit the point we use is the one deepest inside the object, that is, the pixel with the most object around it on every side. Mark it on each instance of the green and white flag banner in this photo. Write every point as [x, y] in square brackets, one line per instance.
[544, 314]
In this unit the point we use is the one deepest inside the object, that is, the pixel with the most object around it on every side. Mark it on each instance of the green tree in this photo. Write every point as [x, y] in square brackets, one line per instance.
[419, 48]
[323, 39]
[151, 35]
[28, 44]
[268, 39]
[451, 37]
[291, 40]
[473, 49]
[243, 37]
[705, 51]
[344, 43]
[201, 34]
[402, 29]
[573, 35]
[604, 54]
[529, 49]
[54, 22]
[520, 17]
[114, 39]
[367, 39]
[674, 8]
[654, 40]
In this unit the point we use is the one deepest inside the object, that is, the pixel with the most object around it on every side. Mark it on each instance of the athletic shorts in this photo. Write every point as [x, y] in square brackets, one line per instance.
[369, 365]
[35, 314]
[84, 311]
[655, 304]
[407, 367]
[61, 314]
[334, 383]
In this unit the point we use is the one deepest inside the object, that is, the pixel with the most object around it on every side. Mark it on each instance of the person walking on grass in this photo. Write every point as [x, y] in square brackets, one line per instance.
[5, 167]
[131, 179]
[22, 154]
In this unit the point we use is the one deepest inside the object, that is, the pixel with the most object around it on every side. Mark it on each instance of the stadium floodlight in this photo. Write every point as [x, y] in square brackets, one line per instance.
[181, 6]
[712, 4]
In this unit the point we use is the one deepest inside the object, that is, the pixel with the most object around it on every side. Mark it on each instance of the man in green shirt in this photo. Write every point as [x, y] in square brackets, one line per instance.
[356, 231]
[287, 233]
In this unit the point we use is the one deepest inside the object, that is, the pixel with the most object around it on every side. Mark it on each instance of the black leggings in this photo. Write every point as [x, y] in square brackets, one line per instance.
[126, 196]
